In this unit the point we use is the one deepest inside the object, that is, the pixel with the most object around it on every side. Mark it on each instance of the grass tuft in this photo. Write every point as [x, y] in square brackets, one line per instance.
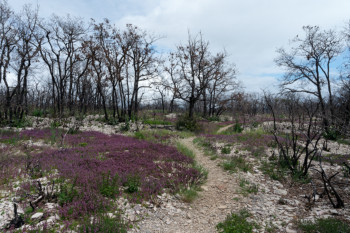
[103, 224]
[327, 225]
[247, 187]
[189, 195]
[226, 150]
[237, 222]
[235, 163]
[184, 150]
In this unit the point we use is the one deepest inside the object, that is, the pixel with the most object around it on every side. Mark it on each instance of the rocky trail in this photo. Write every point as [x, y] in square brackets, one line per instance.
[274, 207]
[222, 129]
[215, 201]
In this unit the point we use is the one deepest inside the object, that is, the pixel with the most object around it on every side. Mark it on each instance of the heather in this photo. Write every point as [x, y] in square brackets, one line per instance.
[92, 169]
[8, 166]
[103, 129]
[50, 135]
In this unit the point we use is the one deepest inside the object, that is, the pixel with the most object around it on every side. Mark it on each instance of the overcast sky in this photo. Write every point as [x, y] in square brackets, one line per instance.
[249, 30]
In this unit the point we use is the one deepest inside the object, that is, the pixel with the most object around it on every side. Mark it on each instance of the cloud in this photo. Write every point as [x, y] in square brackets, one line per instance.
[249, 30]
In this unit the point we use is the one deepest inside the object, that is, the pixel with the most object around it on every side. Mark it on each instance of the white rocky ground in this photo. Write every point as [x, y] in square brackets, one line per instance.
[273, 206]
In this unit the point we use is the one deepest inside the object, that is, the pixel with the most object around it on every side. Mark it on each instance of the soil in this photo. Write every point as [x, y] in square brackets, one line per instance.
[275, 207]
[222, 129]
[215, 201]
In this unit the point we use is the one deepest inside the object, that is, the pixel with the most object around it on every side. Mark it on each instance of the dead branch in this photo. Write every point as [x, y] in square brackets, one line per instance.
[329, 188]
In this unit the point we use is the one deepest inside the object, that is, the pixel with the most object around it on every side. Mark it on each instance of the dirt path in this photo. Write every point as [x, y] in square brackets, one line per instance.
[215, 201]
[224, 128]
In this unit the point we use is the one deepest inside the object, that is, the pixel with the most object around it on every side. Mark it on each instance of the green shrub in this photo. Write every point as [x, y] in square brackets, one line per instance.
[189, 195]
[103, 224]
[83, 144]
[38, 113]
[67, 193]
[126, 126]
[327, 225]
[139, 135]
[237, 128]
[226, 150]
[237, 162]
[186, 123]
[53, 136]
[109, 186]
[273, 170]
[346, 170]
[213, 118]
[73, 130]
[21, 123]
[132, 183]
[332, 134]
[237, 223]
[28, 210]
[156, 122]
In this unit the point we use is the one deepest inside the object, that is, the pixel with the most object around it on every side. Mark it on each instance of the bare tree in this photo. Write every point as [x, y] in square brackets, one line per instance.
[26, 53]
[343, 100]
[301, 136]
[61, 54]
[97, 71]
[191, 69]
[162, 88]
[8, 41]
[217, 94]
[143, 62]
[128, 62]
[308, 67]
[170, 67]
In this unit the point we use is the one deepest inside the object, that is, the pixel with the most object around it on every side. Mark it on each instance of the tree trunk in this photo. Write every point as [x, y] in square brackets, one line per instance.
[191, 107]
[205, 109]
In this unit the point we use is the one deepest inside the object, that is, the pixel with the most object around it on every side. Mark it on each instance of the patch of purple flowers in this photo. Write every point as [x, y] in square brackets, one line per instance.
[94, 168]
[9, 165]
[92, 157]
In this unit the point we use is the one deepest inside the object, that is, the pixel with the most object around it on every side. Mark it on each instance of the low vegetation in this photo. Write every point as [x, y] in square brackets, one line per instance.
[161, 135]
[236, 163]
[96, 77]
[93, 169]
[248, 187]
[324, 226]
[237, 222]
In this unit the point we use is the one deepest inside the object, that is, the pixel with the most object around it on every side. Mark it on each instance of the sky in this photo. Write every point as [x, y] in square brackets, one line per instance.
[249, 30]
